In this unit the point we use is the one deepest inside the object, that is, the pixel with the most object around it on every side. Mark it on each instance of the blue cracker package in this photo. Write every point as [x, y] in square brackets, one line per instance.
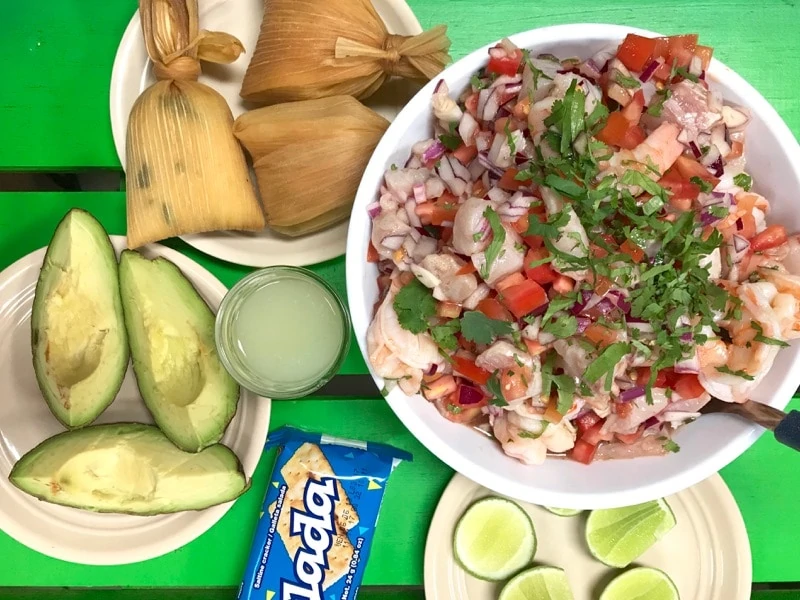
[313, 538]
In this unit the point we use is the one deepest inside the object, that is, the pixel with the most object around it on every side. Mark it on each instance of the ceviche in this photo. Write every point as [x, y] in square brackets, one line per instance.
[575, 261]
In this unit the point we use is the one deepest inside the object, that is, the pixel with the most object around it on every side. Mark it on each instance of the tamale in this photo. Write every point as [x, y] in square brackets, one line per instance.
[316, 48]
[186, 171]
[309, 157]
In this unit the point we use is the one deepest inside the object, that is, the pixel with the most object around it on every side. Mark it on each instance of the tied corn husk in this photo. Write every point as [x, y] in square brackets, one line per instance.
[309, 157]
[186, 171]
[316, 48]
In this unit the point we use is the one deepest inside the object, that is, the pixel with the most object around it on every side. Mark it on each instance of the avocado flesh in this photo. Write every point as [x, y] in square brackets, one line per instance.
[171, 331]
[127, 468]
[78, 338]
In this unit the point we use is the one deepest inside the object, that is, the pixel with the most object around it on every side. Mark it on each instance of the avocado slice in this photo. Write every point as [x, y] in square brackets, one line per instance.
[78, 338]
[127, 468]
[171, 332]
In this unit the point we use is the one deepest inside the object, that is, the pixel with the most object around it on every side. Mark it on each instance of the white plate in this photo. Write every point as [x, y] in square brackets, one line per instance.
[707, 553]
[132, 73]
[25, 421]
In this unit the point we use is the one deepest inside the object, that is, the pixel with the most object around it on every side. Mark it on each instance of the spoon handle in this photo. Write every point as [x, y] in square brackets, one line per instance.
[787, 432]
[785, 425]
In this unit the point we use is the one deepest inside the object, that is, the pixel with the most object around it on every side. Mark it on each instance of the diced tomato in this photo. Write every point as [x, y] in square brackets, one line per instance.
[665, 378]
[467, 367]
[688, 385]
[630, 438]
[623, 409]
[681, 49]
[443, 386]
[563, 284]
[505, 124]
[636, 51]
[586, 421]
[521, 224]
[599, 251]
[600, 335]
[746, 226]
[508, 181]
[595, 435]
[618, 131]
[632, 250]
[524, 298]
[535, 348]
[372, 254]
[465, 153]
[494, 310]
[448, 310]
[533, 241]
[537, 208]
[465, 344]
[504, 63]
[688, 168]
[541, 273]
[509, 281]
[772, 237]
[601, 285]
[522, 108]
[454, 411]
[466, 269]
[551, 413]
[478, 189]
[681, 187]
[444, 210]
[704, 54]
[633, 112]
[471, 104]
[583, 452]
[514, 382]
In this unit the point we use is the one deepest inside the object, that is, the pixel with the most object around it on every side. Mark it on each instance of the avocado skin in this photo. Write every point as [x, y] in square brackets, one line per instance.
[176, 421]
[111, 385]
[122, 431]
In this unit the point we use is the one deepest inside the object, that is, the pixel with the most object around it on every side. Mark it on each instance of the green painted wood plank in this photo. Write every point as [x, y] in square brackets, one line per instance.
[24, 231]
[216, 593]
[57, 60]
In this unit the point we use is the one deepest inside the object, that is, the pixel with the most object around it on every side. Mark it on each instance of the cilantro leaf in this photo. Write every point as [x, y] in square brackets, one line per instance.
[639, 179]
[452, 140]
[493, 385]
[683, 72]
[606, 361]
[630, 83]
[760, 337]
[556, 304]
[445, 334]
[743, 374]
[744, 181]
[657, 102]
[524, 433]
[414, 305]
[704, 185]
[565, 386]
[670, 446]
[498, 239]
[562, 328]
[477, 82]
[564, 186]
[477, 327]
[510, 138]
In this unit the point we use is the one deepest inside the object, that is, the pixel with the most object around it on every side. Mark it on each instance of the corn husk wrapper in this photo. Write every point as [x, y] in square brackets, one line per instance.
[186, 171]
[316, 48]
[309, 157]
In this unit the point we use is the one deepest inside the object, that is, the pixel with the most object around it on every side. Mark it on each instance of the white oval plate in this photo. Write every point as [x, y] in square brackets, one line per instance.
[707, 553]
[25, 421]
[132, 73]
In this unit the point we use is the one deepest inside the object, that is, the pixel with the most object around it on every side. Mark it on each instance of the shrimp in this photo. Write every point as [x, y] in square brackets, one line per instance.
[786, 301]
[444, 107]
[389, 230]
[652, 157]
[401, 182]
[396, 353]
[542, 108]
[470, 228]
[572, 238]
[640, 411]
[510, 259]
[744, 355]
[450, 285]
[688, 108]
[529, 440]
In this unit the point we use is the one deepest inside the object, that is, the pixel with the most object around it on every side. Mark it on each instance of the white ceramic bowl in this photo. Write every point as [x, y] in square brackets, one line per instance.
[773, 157]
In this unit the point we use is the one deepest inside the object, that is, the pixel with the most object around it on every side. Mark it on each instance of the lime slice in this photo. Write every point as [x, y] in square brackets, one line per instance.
[494, 539]
[642, 583]
[563, 512]
[618, 536]
[538, 583]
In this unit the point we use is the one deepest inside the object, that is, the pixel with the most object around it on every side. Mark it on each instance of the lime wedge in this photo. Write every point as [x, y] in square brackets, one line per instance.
[618, 536]
[494, 539]
[563, 512]
[642, 583]
[538, 583]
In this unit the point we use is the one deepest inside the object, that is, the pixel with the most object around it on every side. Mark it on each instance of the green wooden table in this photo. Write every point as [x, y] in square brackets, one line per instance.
[57, 57]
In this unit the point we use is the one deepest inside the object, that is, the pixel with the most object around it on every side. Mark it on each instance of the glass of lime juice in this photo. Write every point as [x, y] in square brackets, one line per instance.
[282, 332]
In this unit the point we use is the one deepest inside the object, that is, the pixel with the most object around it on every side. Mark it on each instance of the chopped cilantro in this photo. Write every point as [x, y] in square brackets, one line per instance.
[477, 82]
[477, 327]
[567, 116]
[453, 408]
[683, 72]
[718, 211]
[639, 179]
[670, 446]
[493, 385]
[394, 167]
[510, 138]
[414, 305]
[760, 337]
[630, 83]
[524, 433]
[498, 239]
[445, 334]
[565, 386]
[565, 186]
[744, 181]
[606, 361]
[743, 374]
[557, 304]
[704, 185]
[563, 327]
[657, 102]
[451, 141]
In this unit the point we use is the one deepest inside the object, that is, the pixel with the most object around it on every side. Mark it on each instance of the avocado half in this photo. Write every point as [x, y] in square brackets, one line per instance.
[171, 332]
[128, 468]
[78, 338]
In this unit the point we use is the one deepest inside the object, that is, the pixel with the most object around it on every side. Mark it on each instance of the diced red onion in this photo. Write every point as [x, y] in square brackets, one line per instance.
[476, 169]
[739, 243]
[512, 89]
[706, 218]
[419, 193]
[483, 157]
[589, 69]
[434, 152]
[578, 307]
[686, 337]
[711, 156]
[619, 300]
[539, 311]
[373, 209]
[483, 141]
[651, 422]
[483, 98]
[459, 169]
[492, 106]
[583, 323]
[649, 70]
[602, 56]
[506, 80]
[695, 150]
[433, 369]
[497, 52]
[739, 225]
[631, 394]
[717, 168]
[467, 128]
[393, 242]
[441, 86]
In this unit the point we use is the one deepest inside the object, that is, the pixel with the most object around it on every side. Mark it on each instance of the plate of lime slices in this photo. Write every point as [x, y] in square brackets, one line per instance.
[690, 546]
